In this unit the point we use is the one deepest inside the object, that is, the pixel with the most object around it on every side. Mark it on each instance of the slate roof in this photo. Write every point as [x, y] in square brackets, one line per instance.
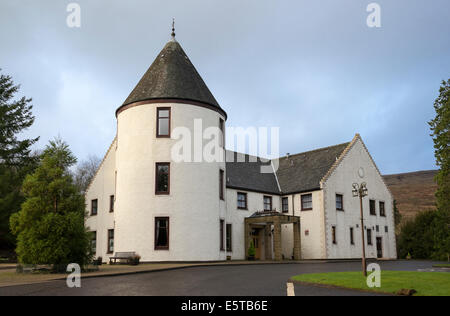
[172, 76]
[298, 173]
[247, 176]
[303, 171]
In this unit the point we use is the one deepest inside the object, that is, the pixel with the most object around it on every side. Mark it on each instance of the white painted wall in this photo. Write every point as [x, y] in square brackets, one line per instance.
[101, 188]
[313, 244]
[193, 205]
[236, 217]
[340, 182]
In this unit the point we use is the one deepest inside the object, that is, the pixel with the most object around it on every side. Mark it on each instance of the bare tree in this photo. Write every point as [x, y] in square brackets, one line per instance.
[85, 172]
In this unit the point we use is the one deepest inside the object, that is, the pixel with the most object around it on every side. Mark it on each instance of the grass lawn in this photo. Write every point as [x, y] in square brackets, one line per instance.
[425, 283]
[445, 265]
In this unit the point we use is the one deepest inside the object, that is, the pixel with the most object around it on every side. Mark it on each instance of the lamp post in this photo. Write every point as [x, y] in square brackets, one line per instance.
[360, 190]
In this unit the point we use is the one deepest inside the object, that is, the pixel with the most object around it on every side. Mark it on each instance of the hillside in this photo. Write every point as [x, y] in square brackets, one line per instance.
[413, 191]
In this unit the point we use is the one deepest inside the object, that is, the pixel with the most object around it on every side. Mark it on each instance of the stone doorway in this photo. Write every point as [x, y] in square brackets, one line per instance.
[263, 222]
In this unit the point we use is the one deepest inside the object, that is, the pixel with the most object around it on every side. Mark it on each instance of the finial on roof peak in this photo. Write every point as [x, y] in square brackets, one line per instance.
[173, 29]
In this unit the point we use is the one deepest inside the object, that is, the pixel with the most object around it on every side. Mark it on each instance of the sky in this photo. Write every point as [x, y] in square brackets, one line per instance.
[313, 68]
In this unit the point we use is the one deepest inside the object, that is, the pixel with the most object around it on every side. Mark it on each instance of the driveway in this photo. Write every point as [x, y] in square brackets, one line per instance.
[245, 280]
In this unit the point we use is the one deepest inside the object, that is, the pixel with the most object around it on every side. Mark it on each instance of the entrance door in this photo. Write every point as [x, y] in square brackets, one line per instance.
[257, 245]
[379, 247]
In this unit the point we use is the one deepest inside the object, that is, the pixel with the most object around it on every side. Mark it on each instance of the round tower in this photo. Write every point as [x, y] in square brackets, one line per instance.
[167, 210]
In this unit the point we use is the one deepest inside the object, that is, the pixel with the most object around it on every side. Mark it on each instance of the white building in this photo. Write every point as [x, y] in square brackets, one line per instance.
[140, 200]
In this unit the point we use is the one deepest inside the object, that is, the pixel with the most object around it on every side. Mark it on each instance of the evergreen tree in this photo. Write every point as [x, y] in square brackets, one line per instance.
[397, 215]
[16, 160]
[50, 226]
[440, 127]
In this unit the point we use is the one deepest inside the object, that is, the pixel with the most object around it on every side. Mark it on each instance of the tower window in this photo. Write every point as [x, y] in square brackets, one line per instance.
[221, 178]
[352, 240]
[222, 129]
[163, 122]
[110, 240]
[222, 222]
[162, 179]
[161, 233]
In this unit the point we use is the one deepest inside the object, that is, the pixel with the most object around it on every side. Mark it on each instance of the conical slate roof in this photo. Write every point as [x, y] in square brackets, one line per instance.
[172, 76]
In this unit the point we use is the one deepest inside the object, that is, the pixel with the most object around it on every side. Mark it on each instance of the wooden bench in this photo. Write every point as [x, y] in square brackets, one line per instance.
[122, 256]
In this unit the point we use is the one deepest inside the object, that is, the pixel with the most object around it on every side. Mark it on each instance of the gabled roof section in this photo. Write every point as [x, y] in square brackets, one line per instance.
[344, 153]
[247, 176]
[172, 76]
[303, 172]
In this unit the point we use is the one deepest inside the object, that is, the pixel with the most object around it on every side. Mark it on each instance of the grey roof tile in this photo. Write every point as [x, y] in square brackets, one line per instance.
[247, 176]
[299, 173]
[303, 171]
[172, 76]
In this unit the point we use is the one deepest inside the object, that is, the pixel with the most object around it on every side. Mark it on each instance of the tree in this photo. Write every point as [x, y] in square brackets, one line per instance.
[16, 159]
[416, 237]
[397, 215]
[85, 172]
[50, 225]
[440, 127]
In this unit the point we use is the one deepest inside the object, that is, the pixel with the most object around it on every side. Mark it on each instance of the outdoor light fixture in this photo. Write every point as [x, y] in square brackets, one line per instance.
[360, 190]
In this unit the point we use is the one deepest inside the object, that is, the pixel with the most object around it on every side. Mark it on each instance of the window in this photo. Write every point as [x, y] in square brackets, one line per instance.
[385, 229]
[221, 234]
[267, 203]
[306, 202]
[369, 236]
[228, 231]
[94, 242]
[221, 176]
[352, 239]
[222, 129]
[333, 234]
[242, 201]
[377, 228]
[163, 122]
[339, 202]
[382, 210]
[161, 233]
[94, 207]
[110, 241]
[372, 207]
[162, 179]
[285, 205]
[111, 203]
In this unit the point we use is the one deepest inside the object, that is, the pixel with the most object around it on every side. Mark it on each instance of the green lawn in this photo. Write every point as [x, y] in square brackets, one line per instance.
[425, 283]
[441, 265]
